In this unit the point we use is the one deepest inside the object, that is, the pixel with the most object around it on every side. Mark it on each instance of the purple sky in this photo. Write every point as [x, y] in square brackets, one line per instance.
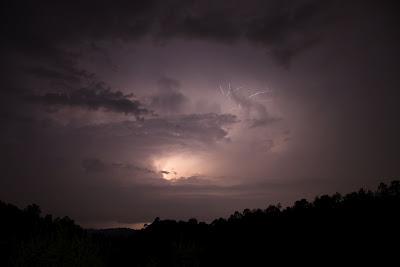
[118, 112]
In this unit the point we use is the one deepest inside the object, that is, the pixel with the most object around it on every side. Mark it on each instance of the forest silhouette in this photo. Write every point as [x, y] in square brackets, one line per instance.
[359, 227]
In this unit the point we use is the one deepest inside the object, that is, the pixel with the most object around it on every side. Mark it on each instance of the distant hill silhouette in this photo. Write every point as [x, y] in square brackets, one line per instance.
[357, 228]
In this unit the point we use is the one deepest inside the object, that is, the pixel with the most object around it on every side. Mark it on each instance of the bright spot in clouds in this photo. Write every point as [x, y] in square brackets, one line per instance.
[178, 166]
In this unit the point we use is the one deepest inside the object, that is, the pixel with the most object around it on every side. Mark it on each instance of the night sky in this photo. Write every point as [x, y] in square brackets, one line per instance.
[114, 113]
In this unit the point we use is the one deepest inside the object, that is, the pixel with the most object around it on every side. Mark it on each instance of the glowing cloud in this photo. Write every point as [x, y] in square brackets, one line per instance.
[178, 166]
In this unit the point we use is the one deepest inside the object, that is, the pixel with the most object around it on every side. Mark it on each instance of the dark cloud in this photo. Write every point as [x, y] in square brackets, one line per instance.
[289, 29]
[95, 97]
[132, 168]
[169, 99]
[39, 28]
[70, 76]
[190, 130]
[206, 128]
[286, 28]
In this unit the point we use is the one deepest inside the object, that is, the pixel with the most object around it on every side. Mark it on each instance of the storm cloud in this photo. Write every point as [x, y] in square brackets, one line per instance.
[113, 111]
[169, 99]
[94, 97]
[286, 28]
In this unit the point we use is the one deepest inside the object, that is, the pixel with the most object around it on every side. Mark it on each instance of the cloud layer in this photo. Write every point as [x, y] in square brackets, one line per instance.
[94, 97]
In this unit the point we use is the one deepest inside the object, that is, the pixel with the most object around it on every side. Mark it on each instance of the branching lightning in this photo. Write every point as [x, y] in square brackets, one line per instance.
[257, 93]
[229, 91]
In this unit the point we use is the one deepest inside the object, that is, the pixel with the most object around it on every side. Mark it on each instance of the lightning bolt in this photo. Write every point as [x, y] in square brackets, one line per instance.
[257, 93]
[221, 90]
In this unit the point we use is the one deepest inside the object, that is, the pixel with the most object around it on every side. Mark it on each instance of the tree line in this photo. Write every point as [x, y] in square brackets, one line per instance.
[362, 226]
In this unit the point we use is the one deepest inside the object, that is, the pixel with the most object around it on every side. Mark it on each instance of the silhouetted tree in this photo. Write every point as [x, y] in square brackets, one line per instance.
[359, 225]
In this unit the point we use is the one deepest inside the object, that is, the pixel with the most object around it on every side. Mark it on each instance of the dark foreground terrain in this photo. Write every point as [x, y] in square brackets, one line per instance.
[357, 228]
